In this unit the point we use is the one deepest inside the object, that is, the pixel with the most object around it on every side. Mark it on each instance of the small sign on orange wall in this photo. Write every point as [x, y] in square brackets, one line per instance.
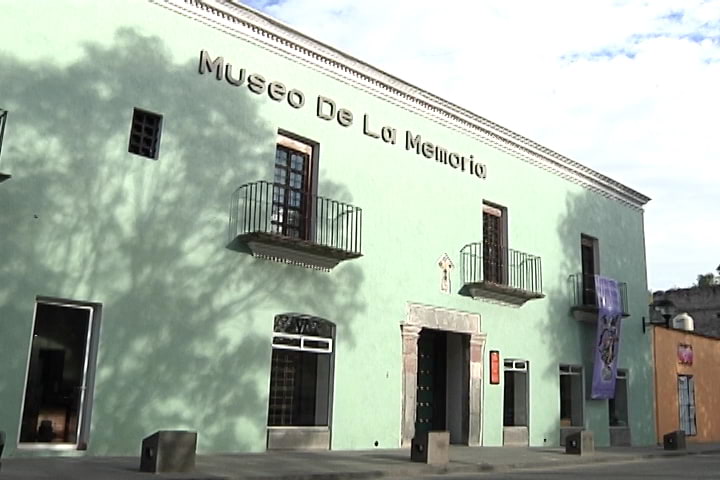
[685, 354]
[494, 367]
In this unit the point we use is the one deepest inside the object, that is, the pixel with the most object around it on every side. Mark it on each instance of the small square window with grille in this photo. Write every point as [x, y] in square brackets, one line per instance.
[145, 133]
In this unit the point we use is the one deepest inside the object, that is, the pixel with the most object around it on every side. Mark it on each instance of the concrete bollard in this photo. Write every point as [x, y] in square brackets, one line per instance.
[168, 451]
[580, 443]
[431, 448]
[674, 440]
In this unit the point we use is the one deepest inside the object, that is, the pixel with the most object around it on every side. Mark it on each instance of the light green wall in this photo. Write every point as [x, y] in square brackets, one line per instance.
[186, 322]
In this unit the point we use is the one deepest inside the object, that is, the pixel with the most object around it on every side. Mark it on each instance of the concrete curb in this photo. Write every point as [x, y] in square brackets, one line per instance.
[402, 467]
[451, 469]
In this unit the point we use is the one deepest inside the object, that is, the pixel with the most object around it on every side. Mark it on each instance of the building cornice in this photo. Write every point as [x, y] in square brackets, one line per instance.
[244, 22]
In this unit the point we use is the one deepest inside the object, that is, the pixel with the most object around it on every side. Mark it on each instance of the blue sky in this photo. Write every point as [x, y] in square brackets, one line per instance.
[629, 88]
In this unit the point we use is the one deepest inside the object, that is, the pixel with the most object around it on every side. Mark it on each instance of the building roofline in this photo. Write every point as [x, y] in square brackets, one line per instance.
[693, 288]
[240, 20]
[694, 333]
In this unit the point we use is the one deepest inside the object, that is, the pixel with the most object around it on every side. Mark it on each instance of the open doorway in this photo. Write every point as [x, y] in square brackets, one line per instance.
[60, 369]
[571, 401]
[515, 403]
[442, 384]
[618, 412]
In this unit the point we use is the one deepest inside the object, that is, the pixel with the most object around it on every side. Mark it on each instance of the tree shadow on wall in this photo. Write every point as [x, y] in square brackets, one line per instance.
[185, 340]
[588, 213]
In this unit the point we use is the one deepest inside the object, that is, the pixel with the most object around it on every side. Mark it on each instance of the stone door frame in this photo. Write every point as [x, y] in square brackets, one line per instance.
[424, 316]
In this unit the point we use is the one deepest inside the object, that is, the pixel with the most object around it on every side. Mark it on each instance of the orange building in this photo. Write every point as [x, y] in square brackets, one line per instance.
[687, 384]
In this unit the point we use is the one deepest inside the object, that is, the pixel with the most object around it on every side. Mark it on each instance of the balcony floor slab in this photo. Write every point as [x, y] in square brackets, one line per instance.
[496, 292]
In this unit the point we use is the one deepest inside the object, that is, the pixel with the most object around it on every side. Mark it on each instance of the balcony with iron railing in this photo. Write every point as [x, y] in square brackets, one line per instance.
[498, 273]
[585, 303]
[288, 225]
[3, 120]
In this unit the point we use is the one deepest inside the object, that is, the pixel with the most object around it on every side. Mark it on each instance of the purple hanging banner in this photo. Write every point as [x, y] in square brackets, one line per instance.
[607, 341]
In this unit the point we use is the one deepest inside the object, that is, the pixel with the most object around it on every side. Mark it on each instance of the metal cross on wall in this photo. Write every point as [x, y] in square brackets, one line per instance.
[445, 265]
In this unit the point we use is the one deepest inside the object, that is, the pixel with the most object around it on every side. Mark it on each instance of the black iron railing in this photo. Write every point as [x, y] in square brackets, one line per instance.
[269, 208]
[585, 293]
[488, 262]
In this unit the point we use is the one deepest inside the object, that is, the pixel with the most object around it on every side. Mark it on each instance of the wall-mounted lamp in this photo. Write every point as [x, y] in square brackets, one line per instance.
[665, 308]
[3, 119]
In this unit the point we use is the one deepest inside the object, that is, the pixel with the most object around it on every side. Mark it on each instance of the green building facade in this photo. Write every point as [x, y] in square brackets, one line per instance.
[209, 221]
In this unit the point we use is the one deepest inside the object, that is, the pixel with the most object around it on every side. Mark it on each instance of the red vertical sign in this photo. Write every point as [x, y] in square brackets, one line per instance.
[494, 367]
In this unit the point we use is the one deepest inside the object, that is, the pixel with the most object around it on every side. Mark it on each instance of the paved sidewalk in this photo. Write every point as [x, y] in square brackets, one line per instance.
[336, 465]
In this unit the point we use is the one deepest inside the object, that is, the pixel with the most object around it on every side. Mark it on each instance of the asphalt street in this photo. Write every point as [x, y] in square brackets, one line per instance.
[690, 467]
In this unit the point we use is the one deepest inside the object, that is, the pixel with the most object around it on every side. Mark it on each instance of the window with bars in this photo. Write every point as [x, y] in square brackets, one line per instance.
[494, 248]
[292, 189]
[571, 396]
[589, 262]
[515, 395]
[618, 405]
[301, 371]
[686, 404]
[145, 133]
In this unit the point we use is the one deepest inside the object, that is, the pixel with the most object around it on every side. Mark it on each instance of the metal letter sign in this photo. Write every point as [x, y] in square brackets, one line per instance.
[328, 109]
[607, 340]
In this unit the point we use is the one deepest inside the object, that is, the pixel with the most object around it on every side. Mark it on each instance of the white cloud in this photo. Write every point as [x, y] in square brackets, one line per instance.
[626, 87]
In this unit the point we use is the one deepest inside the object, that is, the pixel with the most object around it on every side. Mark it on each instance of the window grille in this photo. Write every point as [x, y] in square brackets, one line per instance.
[686, 404]
[570, 370]
[292, 197]
[494, 251]
[297, 324]
[301, 371]
[515, 365]
[302, 342]
[571, 395]
[617, 406]
[282, 387]
[145, 133]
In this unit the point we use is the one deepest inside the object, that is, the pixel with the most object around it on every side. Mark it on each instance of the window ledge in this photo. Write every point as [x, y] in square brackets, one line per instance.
[298, 438]
[49, 447]
[500, 293]
[620, 436]
[515, 436]
[295, 251]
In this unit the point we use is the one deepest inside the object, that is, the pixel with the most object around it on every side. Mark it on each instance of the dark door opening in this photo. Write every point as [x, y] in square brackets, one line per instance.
[431, 381]
[588, 261]
[494, 262]
[442, 401]
[57, 374]
[515, 400]
[516, 403]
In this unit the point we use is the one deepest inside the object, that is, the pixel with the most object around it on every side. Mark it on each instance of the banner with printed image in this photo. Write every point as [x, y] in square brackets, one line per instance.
[607, 340]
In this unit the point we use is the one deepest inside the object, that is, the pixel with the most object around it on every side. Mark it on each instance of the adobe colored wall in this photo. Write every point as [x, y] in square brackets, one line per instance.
[706, 371]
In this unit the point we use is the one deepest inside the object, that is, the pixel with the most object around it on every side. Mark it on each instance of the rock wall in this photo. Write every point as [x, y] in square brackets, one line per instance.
[702, 303]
